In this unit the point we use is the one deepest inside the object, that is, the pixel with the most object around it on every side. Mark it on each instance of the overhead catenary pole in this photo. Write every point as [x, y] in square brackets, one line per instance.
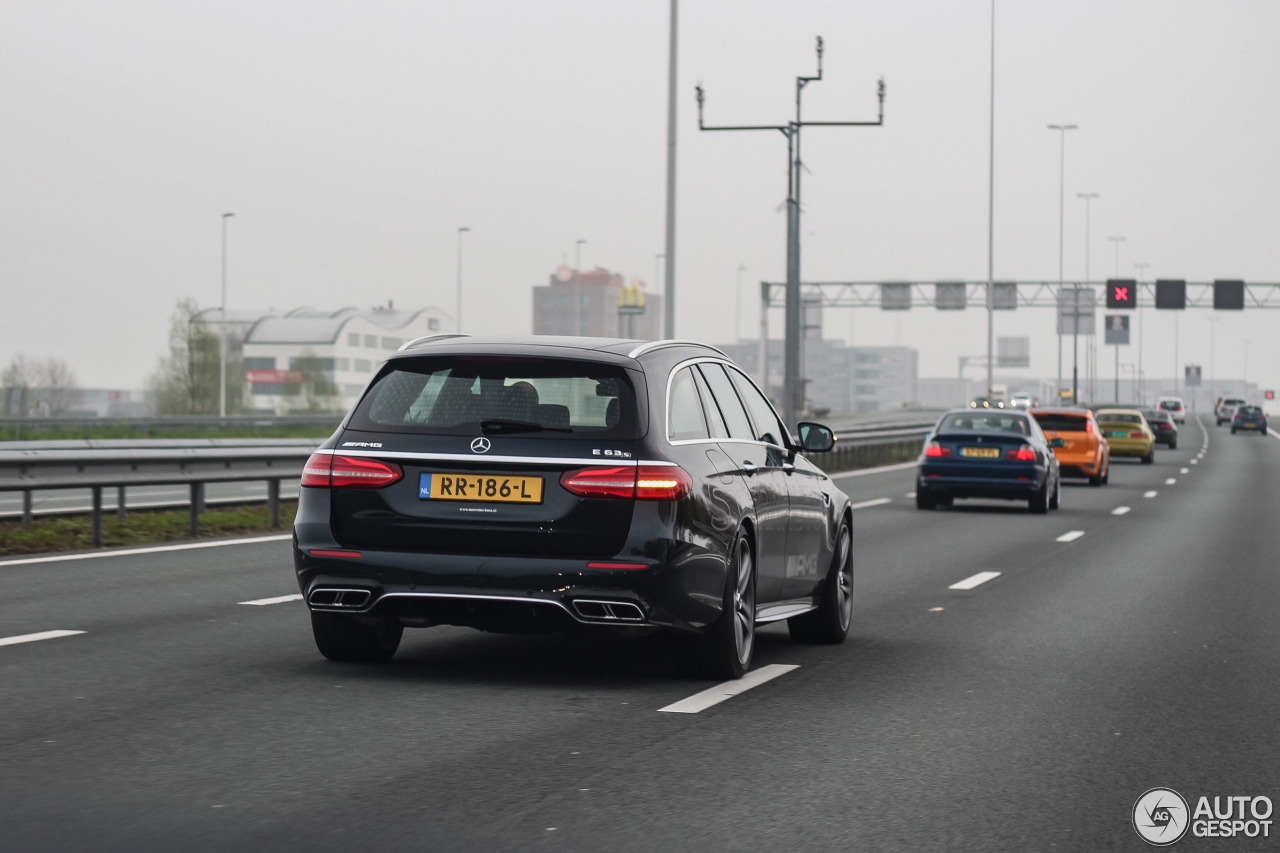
[222, 326]
[1062, 185]
[793, 382]
[1118, 241]
[737, 320]
[669, 298]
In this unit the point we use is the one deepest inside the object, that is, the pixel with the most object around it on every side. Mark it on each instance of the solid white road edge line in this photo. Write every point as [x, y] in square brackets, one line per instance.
[1071, 536]
[715, 695]
[1120, 510]
[902, 466]
[977, 580]
[186, 546]
[876, 502]
[31, 638]
[279, 599]
[1149, 494]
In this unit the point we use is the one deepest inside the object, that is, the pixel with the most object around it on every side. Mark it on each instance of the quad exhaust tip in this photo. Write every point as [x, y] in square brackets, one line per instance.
[607, 611]
[339, 598]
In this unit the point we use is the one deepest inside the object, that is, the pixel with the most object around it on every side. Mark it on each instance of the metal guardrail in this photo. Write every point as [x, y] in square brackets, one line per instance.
[97, 464]
[213, 423]
[30, 470]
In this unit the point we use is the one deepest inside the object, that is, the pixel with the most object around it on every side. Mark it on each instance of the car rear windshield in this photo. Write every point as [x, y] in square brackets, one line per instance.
[1119, 418]
[463, 395]
[985, 422]
[1170, 405]
[1249, 411]
[1157, 415]
[1062, 423]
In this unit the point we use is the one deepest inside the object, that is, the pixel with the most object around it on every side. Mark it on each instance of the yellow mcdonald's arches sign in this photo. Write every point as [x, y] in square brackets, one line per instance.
[631, 300]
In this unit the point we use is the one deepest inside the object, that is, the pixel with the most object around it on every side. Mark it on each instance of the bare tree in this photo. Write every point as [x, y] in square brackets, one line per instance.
[186, 380]
[45, 387]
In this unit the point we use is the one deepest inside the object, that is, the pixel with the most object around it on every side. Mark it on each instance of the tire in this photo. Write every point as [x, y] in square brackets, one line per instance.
[830, 622]
[1150, 457]
[1219, 422]
[1096, 480]
[340, 637]
[725, 651]
[1039, 502]
[1173, 445]
[946, 500]
[1106, 473]
[924, 500]
[1055, 500]
[1233, 430]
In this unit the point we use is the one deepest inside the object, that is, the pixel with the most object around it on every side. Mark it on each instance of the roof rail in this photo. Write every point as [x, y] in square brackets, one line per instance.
[426, 339]
[653, 345]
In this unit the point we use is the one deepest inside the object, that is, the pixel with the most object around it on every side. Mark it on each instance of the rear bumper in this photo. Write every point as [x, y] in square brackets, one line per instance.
[1079, 464]
[1130, 447]
[513, 594]
[943, 484]
[1258, 426]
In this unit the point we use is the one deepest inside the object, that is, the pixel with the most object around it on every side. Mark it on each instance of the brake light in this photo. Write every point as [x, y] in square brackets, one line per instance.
[643, 482]
[1022, 454]
[349, 472]
[1138, 434]
[1088, 426]
[935, 449]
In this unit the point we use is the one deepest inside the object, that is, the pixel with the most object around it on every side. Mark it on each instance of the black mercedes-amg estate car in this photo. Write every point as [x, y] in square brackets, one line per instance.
[542, 483]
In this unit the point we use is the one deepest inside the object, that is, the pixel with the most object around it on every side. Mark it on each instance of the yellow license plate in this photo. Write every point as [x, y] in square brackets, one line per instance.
[981, 452]
[502, 488]
[1250, 424]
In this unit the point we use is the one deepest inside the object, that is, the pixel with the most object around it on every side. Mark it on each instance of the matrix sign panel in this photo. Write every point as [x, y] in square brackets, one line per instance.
[1171, 293]
[1228, 295]
[1122, 293]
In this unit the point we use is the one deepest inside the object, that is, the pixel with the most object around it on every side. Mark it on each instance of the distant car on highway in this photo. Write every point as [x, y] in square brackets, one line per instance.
[1162, 425]
[1251, 418]
[555, 483]
[1175, 407]
[989, 454]
[1084, 453]
[1127, 433]
[1022, 401]
[1225, 409]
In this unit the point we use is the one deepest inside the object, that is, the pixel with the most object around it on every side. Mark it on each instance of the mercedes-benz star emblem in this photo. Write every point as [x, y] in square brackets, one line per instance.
[480, 445]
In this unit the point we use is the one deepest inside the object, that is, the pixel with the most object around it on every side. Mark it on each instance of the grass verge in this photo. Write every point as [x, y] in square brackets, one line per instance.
[140, 527]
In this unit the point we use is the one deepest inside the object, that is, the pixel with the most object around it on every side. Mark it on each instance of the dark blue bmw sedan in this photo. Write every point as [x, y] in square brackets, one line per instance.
[988, 453]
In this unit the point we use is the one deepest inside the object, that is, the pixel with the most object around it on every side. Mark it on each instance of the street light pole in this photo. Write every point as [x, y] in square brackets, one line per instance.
[577, 287]
[461, 231]
[222, 327]
[991, 213]
[1062, 184]
[1075, 298]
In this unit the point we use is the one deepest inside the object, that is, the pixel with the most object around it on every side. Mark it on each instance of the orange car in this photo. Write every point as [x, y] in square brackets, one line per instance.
[1085, 453]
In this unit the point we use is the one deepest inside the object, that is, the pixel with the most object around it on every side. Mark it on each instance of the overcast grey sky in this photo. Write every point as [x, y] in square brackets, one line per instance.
[352, 139]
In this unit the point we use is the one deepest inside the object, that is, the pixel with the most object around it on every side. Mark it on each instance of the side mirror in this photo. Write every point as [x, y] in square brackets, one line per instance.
[1058, 442]
[816, 438]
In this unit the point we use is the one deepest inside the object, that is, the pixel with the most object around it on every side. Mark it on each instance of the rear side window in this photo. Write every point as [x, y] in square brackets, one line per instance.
[684, 417]
[465, 395]
[1062, 423]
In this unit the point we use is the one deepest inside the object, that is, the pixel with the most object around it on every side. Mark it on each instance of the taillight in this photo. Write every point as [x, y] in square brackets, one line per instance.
[1022, 454]
[662, 483]
[349, 472]
[935, 449]
[1088, 426]
[643, 482]
[1138, 434]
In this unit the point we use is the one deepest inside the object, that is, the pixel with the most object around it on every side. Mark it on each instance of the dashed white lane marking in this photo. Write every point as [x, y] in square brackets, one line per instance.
[187, 546]
[909, 495]
[1184, 471]
[977, 580]
[1171, 481]
[715, 695]
[279, 599]
[31, 638]
[1195, 461]
[1120, 510]
[1071, 536]
[865, 471]
[876, 502]
[1149, 494]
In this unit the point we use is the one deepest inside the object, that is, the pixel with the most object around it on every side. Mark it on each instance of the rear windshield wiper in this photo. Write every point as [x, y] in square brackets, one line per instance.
[499, 425]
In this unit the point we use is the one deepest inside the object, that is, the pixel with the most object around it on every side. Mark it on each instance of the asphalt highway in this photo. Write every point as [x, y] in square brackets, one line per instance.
[1011, 682]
